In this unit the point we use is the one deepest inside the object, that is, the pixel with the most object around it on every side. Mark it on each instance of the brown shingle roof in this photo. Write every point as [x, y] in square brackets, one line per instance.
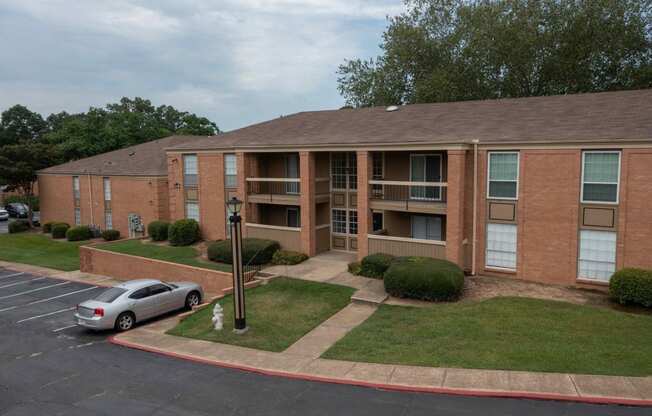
[610, 116]
[147, 159]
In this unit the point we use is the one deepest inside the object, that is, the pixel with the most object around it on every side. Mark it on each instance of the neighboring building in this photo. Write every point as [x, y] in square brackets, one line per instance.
[557, 187]
[549, 189]
[108, 189]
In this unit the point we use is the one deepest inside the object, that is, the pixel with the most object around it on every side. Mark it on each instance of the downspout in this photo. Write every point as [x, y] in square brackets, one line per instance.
[475, 206]
[90, 198]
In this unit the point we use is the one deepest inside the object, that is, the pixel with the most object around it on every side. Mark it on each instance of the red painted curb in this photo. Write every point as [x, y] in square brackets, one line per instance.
[391, 387]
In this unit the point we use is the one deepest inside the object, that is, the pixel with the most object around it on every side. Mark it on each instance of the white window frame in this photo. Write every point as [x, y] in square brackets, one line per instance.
[76, 188]
[108, 220]
[287, 216]
[346, 221]
[518, 174]
[77, 216]
[486, 259]
[580, 260]
[441, 226]
[107, 188]
[441, 175]
[192, 202]
[227, 168]
[620, 158]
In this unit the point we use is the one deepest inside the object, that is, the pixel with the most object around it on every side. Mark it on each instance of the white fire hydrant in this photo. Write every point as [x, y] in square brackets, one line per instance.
[218, 317]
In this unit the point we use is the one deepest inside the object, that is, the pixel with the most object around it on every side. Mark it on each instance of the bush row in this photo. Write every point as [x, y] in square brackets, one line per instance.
[255, 251]
[18, 226]
[632, 286]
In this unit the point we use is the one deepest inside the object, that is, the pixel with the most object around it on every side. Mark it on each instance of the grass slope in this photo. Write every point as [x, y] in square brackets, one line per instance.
[40, 250]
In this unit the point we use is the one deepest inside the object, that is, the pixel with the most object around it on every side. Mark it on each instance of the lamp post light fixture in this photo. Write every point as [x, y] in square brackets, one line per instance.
[240, 325]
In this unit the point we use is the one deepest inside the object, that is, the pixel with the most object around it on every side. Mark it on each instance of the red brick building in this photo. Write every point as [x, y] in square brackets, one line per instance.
[107, 189]
[550, 189]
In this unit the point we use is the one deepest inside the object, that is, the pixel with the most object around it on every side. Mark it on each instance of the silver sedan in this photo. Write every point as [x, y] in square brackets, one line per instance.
[120, 307]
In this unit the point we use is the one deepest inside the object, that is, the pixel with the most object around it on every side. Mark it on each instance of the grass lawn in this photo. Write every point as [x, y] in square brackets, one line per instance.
[182, 255]
[278, 314]
[504, 333]
[40, 250]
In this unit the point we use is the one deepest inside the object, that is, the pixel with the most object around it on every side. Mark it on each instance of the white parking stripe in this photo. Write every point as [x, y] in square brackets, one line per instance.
[45, 314]
[10, 275]
[22, 282]
[61, 296]
[64, 328]
[32, 291]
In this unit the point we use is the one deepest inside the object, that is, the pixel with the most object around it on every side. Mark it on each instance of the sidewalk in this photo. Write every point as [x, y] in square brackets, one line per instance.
[301, 361]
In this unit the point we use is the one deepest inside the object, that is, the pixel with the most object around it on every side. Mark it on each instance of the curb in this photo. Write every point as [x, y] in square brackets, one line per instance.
[391, 387]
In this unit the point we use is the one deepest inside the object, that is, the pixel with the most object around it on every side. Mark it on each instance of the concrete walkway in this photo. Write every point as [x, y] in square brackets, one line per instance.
[301, 361]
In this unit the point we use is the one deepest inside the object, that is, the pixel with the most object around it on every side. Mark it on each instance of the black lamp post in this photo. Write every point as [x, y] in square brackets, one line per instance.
[240, 326]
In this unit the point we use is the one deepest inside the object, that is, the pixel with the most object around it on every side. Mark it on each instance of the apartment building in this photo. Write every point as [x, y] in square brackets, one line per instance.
[123, 190]
[550, 189]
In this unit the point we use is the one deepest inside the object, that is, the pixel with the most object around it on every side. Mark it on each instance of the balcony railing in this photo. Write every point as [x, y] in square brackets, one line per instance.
[406, 191]
[288, 237]
[401, 246]
[273, 186]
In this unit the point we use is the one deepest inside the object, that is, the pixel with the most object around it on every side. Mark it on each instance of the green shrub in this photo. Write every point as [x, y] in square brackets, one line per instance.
[32, 201]
[424, 278]
[184, 232]
[79, 233]
[59, 230]
[289, 258]
[18, 226]
[158, 230]
[254, 251]
[47, 227]
[110, 235]
[355, 268]
[632, 286]
[375, 265]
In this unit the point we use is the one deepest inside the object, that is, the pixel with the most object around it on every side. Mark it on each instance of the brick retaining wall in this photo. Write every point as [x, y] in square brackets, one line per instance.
[128, 267]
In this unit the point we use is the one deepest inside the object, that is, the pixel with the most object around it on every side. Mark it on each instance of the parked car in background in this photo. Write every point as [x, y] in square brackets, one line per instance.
[120, 307]
[36, 218]
[17, 209]
[4, 215]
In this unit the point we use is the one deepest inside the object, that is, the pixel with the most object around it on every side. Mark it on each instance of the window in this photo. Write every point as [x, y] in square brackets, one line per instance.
[503, 175]
[377, 221]
[292, 171]
[190, 170]
[501, 246]
[353, 222]
[157, 289]
[230, 171]
[108, 220]
[425, 168]
[597, 259]
[377, 172]
[426, 227]
[293, 218]
[353, 171]
[192, 210]
[140, 294]
[339, 221]
[107, 189]
[600, 175]
[77, 216]
[338, 170]
[75, 187]
[110, 295]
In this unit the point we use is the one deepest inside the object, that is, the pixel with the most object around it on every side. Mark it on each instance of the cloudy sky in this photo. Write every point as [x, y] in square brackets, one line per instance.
[234, 61]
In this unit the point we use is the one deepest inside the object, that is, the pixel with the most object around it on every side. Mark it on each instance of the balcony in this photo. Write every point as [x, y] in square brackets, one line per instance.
[408, 196]
[402, 246]
[288, 237]
[280, 191]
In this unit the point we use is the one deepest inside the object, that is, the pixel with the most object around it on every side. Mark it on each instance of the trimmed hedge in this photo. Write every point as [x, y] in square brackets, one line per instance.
[424, 278]
[110, 235]
[79, 233]
[158, 230]
[18, 226]
[288, 258]
[59, 230]
[632, 286]
[184, 232]
[375, 265]
[47, 227]
[355, 268]
[254, 251]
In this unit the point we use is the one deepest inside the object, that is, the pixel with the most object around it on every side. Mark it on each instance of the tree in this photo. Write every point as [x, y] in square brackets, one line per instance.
[19, 164]
[19, 123]
[449, 50]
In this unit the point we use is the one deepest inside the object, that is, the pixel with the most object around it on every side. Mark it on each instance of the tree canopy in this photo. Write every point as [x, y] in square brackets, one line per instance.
[451, 50]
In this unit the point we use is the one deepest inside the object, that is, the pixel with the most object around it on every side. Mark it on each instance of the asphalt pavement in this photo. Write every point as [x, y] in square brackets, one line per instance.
[49, 365]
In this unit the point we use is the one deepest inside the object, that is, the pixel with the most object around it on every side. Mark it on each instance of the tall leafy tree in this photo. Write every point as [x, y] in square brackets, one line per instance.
[446, 50]
[19, 123]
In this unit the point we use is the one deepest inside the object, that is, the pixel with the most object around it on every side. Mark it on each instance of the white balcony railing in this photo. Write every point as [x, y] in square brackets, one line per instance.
[407, 191]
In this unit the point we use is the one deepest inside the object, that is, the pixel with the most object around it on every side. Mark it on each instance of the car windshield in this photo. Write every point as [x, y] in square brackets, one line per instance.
[110, 295]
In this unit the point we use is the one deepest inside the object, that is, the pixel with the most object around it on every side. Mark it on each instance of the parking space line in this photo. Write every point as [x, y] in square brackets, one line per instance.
[45, 314]
[22, 282]
[64, 328]
[61, 296]
[10, 275]
[31, 291]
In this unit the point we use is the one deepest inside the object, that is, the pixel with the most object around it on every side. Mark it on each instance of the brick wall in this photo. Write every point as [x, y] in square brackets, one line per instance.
[56, 198]
[126, 267]
[635, 221]
[211, 196]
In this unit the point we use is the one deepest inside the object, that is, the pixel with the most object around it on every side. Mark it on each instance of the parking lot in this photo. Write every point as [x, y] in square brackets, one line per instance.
[4, 227]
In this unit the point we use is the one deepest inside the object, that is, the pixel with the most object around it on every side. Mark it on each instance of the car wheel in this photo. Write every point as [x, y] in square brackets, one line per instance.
[193, 299]
[125, 321]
